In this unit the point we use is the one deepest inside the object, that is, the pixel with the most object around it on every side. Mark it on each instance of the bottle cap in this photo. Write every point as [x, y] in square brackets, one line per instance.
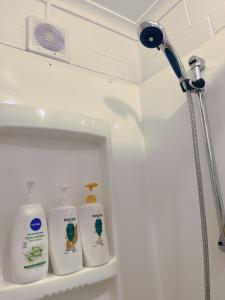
[30, 191]
[91, 198]
[64, 199]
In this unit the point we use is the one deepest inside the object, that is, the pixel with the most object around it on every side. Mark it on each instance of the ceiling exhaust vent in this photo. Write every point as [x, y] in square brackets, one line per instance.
[47, 39]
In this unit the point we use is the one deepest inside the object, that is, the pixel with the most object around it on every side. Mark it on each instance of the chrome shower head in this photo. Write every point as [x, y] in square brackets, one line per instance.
[153, 35]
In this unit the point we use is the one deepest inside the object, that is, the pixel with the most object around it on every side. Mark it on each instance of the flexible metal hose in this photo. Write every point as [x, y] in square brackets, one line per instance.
[201, 198]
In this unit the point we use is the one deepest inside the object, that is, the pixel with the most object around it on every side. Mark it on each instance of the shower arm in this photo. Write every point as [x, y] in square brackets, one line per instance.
[197, 66]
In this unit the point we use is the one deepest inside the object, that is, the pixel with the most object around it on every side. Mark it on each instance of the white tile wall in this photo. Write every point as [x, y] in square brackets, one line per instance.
[91, 46]
[86, 58]
[12, 35]
[96, 38]
[189, 24]
[200, 8]
[15, 12]
[193, 37]
[154, 65]
[218, 17]
[176, 21]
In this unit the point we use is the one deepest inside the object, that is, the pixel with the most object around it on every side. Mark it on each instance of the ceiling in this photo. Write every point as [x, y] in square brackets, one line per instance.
[120, 16]
[132, 10]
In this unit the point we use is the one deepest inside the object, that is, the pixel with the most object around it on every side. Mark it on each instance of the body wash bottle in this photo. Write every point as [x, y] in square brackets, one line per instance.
[92, 229]
[64, 237]
[29, 242]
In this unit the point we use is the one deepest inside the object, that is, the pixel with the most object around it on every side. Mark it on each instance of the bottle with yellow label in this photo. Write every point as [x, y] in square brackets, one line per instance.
[92, 230]
[64, 238]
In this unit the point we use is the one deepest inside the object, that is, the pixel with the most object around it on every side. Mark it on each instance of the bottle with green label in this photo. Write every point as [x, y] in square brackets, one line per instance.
[92, 230]
[28, 255]
[64, 237]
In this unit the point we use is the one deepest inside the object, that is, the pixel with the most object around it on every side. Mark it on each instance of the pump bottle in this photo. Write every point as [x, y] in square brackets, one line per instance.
[28, 255]
[92, 229]
[64, 237]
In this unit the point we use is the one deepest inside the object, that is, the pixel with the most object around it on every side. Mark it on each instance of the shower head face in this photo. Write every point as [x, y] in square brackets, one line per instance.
[152, 34]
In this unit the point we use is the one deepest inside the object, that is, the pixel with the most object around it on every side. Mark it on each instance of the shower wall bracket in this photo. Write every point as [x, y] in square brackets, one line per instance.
[192, 86]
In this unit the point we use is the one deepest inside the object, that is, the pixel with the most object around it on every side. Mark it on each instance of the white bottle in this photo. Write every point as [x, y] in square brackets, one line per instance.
[29, 242]
[92, 230]
[64, 237]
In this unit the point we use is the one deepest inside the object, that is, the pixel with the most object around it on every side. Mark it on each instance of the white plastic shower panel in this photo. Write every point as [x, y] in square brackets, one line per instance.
[52, 149]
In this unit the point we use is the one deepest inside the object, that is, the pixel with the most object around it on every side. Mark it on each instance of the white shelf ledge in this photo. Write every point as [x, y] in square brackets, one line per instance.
[25, 116]
[53, 284]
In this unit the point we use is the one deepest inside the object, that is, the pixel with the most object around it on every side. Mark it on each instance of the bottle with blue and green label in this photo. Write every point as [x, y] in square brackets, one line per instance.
[29, 242]
[64, 237]
[92, 230]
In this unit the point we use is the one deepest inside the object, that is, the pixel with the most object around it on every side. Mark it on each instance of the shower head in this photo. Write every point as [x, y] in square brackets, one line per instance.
[152, 34]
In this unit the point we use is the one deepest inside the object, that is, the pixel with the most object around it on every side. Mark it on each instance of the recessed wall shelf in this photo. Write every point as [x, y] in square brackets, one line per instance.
[53, 147]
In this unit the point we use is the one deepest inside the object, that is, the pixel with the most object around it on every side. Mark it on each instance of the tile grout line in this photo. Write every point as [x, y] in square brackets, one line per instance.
[169, 10]
[210, 26]
[187, 12]
[102, 74]
[147, 11]
[65, 9]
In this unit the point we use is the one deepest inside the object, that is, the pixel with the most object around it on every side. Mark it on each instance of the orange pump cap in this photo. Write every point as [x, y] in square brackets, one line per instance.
[91, 198]
[91, 186]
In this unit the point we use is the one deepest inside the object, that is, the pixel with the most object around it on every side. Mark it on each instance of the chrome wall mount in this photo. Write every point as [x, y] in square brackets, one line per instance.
[197, 65]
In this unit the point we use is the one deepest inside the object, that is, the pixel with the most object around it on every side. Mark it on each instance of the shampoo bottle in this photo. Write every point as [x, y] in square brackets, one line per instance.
[29, 242]
[64, 238]
[92, 229]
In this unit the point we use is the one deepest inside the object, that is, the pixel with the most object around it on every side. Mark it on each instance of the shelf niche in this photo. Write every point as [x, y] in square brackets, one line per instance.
[52, 148]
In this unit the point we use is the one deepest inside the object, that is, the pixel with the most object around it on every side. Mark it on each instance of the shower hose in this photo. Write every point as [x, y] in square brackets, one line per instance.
[201, 198]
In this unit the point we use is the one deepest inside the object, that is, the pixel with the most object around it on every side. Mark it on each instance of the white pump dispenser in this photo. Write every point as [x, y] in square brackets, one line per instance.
[64, 237]
[29, 241]
[64, 198]
[30, 191]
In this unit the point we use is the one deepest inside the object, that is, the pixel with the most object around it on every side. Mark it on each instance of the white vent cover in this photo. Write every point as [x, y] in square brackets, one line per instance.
[47, 39]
